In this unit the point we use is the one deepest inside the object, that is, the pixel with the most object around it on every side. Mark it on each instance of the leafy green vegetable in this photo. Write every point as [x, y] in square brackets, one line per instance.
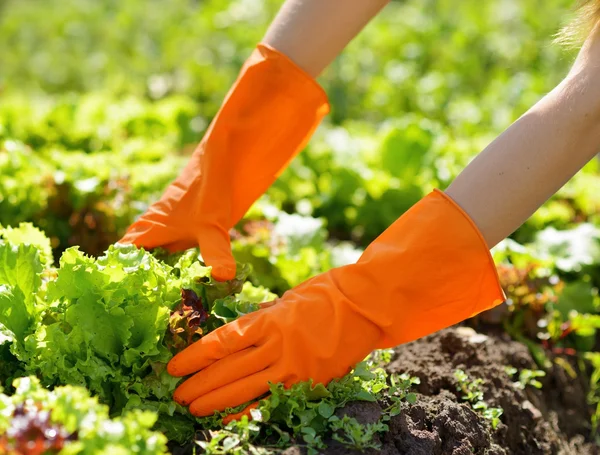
[111, 323]
[352, 434]
[20, 285]
[67, 420]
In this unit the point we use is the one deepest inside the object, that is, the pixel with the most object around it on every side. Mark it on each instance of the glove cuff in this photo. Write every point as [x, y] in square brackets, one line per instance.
[296, 75]
[431, 269]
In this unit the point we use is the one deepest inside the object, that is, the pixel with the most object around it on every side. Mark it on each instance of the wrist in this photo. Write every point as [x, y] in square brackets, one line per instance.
[294, 72]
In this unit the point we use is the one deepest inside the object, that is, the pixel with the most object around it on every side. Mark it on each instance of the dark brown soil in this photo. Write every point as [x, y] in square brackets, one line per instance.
[553, 420]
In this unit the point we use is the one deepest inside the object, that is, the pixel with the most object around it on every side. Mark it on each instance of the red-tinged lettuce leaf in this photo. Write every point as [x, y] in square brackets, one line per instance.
[185, 322]
[33, 433]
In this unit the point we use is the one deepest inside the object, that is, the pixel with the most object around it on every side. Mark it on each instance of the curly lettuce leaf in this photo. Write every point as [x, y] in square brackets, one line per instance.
[247, 301]
[20, 268]
[229, 309]
[15, 315]
[10, 365]
[195, 275]
[28, 234]
[70, 420]
[255, 294]
[20, 281]
[107, 321]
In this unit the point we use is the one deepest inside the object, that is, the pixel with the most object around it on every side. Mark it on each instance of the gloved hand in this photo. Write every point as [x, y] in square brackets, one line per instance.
[429, 270]
[266, 119]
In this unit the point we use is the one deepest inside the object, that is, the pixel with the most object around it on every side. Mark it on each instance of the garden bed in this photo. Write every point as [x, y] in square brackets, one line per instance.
[554, 419]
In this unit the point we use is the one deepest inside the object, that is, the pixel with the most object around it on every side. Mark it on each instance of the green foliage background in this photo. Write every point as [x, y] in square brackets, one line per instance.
[426, 56]
[419, 92]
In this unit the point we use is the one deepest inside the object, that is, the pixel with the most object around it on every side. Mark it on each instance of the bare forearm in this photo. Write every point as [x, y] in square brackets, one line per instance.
[313, 32]
[532, 159]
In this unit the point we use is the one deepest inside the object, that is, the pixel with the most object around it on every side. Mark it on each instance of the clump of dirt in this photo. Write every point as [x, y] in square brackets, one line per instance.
[553, 420]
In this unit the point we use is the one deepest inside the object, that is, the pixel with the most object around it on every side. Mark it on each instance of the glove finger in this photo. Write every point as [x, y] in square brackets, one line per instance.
[234, 394]
[225, 371]
[239, 415]
[224, 341]
[215, 248]
[150, 233]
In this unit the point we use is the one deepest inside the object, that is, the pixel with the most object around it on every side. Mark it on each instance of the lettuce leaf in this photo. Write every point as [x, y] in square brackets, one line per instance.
[28, 234]
[20, 269]
[247, 301]
[110, 316]
[68, 420]
[20, 282]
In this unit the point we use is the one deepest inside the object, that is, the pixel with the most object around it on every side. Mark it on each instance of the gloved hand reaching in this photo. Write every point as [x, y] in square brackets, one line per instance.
[266, 119]
[429, 270]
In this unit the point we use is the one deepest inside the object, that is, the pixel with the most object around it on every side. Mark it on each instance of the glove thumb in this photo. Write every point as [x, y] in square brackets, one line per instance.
[215, 248]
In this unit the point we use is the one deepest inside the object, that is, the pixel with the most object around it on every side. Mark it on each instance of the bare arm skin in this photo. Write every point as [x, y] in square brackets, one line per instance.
[313, 32]
[522, 168]
[507, 182]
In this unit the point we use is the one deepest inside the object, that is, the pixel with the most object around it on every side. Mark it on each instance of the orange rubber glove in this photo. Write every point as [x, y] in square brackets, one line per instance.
[267, 117]
[429, 270]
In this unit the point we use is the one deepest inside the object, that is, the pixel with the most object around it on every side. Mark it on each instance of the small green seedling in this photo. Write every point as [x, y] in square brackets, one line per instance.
[235, 439]
[306, 413]
[380, 357]
[473, 393]
[526, 377]
[355, 435]
[399, 391]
